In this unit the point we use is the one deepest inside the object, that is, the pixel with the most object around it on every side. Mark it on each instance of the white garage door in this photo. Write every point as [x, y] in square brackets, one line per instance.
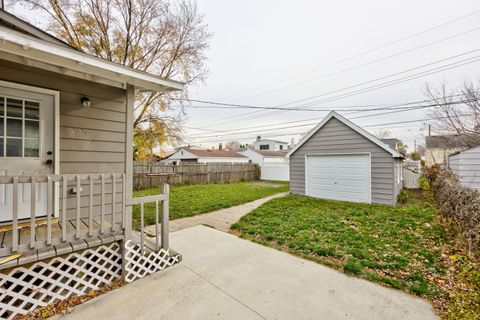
[339, 177]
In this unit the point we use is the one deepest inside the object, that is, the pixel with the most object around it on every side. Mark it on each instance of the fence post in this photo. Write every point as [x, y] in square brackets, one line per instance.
[165, 216]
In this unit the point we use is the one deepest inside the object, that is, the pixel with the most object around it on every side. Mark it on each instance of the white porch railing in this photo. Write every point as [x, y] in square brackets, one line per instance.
[79, 208]
[161, 219]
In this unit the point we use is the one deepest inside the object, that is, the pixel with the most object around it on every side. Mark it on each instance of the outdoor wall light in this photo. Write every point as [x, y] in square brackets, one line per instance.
[86, 102]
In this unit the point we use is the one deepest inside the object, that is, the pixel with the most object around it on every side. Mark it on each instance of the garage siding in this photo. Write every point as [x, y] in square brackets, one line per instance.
[335, 137]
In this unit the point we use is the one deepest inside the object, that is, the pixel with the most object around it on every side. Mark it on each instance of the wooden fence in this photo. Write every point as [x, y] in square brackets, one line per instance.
[153, 174]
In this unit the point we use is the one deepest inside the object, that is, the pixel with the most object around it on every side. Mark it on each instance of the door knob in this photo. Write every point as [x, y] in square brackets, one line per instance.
[49, 161]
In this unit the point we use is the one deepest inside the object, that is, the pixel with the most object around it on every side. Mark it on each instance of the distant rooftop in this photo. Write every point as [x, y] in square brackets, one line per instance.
[268, 153]
[391, 142]
[276, 141]
[451, 141]
[215, 153]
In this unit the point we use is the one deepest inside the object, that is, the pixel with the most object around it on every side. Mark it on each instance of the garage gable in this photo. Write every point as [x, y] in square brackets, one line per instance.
[352, 126]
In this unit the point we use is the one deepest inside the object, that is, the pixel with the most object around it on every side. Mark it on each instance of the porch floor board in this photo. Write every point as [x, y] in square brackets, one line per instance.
[61, 248]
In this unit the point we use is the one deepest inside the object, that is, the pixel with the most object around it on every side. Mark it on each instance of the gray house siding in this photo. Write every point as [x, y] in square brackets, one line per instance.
[92, 140]
[335, 137]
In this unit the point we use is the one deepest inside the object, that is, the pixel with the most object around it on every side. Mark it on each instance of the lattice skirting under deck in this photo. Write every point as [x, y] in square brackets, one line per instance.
[24, 289]
[139, 264]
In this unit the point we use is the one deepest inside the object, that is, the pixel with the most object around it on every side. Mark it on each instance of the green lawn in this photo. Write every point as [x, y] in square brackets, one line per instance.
[405, 247]
[186, 201]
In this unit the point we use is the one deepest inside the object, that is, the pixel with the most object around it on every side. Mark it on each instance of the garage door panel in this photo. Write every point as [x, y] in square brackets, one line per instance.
[339, 177]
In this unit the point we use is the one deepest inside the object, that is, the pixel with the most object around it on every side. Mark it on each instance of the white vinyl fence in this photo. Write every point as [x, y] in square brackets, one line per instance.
[410, 178]
[275, 171]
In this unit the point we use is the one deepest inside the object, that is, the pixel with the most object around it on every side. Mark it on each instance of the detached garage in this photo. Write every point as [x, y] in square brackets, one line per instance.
[340, 161]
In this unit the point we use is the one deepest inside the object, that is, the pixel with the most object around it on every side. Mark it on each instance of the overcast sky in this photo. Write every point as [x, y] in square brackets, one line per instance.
[256, 44]
[276, 52]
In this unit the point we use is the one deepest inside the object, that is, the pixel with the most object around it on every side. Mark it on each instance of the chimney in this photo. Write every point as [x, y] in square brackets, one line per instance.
[220, 147]
[259, 138]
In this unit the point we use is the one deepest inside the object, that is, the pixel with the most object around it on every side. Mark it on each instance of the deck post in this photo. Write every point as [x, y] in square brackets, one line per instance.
[128, 172]
[129, 159]
[165, 216]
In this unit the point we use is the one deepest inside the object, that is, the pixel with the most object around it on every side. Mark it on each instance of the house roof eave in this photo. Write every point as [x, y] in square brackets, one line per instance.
[69, 61]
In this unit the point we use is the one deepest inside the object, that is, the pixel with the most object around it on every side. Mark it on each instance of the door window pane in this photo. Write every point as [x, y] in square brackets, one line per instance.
[1, 147]
[1, 126]
[14, 128]
[14, 108]
[14, 147]
[2, 108]
[31, 148]
[32, 110]
[31, 129]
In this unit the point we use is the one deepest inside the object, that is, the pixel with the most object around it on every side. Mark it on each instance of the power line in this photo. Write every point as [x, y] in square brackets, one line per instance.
[371, 88]
[358, 54]
[364, 64]
[367, 126]
[298, 121]
[390, 76]
[230, 133]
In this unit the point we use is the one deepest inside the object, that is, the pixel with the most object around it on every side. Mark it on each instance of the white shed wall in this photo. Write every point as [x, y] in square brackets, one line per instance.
[466, 165]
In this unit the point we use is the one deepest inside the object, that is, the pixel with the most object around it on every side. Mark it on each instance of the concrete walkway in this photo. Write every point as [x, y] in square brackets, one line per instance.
[221, 219]
[225, 277]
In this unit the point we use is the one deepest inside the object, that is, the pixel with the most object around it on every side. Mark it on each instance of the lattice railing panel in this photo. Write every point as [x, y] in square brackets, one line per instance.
[139, 264]
[24, 289]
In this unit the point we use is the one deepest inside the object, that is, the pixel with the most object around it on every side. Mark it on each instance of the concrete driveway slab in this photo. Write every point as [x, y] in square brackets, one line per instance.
[224, 277]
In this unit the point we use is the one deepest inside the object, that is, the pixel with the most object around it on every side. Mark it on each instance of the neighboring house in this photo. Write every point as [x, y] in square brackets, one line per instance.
[466, 165]
[192, 155]
[66, 170]
[395, 145]
[339, 160]
[272, 145]
[438, 148]
[273, 164]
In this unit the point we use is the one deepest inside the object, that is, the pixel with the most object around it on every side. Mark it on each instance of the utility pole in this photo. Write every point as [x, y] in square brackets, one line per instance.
[1, 5]
[414, 145]
[429, 130]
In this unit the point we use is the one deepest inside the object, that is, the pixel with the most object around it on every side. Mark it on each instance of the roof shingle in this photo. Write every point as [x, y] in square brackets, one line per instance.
[215, 153]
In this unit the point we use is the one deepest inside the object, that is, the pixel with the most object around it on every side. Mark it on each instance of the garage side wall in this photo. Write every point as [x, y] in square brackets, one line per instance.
[335, 137]
[398, 178]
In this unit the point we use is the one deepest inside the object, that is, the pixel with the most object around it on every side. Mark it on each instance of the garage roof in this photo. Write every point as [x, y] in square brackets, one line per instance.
[349, 124]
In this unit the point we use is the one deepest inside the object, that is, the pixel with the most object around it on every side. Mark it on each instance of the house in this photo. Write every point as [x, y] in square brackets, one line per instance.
[437, 148]
[466, 165]
[394, 143]
[274, 165]
[194, 155]
[339, 160]
[272, 145]
[66, 171]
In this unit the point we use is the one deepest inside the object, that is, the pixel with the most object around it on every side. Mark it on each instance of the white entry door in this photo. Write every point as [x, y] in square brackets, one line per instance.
[26, 147]
[339, 177]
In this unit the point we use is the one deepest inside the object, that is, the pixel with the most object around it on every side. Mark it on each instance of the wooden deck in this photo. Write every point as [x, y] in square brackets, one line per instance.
[88, 237]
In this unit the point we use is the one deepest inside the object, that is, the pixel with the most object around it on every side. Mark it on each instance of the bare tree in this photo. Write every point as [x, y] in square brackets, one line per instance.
[232, 145]
[382, 133]
[157, 36]
[456, 111]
